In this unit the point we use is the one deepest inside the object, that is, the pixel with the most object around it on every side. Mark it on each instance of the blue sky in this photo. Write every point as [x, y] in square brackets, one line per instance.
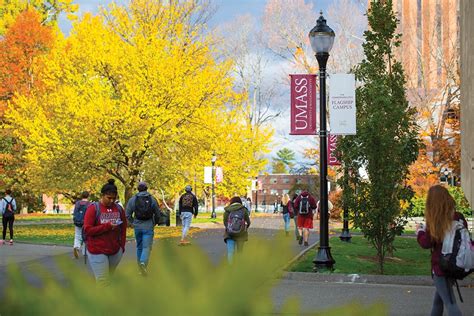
[227, 10]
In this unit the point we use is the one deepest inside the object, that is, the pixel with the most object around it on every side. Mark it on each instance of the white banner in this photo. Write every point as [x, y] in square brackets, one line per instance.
[342, 104]
[208, 175]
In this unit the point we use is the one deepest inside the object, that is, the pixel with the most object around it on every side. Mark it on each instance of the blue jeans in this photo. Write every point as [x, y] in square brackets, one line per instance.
[103, 266]
[444, 296]
[286, 219]
[186, 218]
[144, 238]
[232, 245]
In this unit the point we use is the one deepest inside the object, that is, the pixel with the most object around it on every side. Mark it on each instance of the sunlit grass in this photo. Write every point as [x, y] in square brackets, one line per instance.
[63, 234]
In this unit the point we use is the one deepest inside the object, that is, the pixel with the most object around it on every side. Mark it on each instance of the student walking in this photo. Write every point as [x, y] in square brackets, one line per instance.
[236, 222]
[439, 215]
[105, 228]
[294, 215]
[305, 204]
[142, 212]
[7, 210]
[188, 207]
[80, 208]
[286, 207]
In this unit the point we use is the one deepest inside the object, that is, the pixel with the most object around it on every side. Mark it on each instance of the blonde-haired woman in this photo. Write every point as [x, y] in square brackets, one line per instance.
[286, 205]
[439, 215]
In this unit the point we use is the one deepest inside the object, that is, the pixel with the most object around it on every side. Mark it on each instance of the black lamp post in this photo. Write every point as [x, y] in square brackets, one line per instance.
[345, 234]
[321, 38]
[213, 161]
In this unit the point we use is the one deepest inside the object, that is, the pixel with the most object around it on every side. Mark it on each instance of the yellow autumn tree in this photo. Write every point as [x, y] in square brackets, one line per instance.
[49, 10]
[136, 93]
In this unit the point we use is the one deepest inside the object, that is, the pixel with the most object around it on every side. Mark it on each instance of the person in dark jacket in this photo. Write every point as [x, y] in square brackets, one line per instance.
[439, 215]
[295, 216]
[7, 210]
[305, 221]
[188, 207]
[235, 241]
[105, 233]
[143, 227]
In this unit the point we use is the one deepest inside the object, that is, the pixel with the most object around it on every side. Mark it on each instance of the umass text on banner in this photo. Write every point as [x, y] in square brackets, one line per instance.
[303, 105]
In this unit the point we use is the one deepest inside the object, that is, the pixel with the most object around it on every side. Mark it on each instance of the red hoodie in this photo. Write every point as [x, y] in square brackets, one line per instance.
[101, 239]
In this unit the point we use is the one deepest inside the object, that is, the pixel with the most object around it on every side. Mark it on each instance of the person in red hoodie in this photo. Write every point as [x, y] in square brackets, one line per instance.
[105, 233]
[304, 206]
[439, 215]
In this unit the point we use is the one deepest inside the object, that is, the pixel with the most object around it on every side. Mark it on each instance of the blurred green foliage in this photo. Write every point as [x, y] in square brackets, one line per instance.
[462, 205]
[181, 281]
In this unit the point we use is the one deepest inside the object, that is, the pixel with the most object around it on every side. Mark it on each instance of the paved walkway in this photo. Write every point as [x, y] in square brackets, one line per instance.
[316, 292]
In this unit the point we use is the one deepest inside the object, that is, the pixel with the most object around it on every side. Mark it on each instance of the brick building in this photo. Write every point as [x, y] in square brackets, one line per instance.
[271, 187]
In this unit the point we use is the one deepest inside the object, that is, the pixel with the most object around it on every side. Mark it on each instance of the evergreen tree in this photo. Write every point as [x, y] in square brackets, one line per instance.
[386, 143]
[284, 162]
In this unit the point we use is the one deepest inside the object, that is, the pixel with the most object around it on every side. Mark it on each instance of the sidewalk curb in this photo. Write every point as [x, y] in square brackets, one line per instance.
[417, 280]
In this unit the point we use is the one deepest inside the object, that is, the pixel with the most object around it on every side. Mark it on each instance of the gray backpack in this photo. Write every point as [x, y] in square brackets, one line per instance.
[236, 221]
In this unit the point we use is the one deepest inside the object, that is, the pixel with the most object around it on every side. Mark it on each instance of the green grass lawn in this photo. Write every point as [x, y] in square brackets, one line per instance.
[359, 257]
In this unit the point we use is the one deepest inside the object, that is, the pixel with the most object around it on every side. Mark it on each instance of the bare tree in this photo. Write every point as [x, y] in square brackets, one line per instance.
[244, 46]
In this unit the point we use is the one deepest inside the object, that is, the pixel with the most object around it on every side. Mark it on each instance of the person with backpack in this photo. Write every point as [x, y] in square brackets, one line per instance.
[236, 222]
[286, 207]
[439, 215]
[80, 208]
[143, 213]
[105, 229]
[188, 207]
[305, 204]
[8, 209]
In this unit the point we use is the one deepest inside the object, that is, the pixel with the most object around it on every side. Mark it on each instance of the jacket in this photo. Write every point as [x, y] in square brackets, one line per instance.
[424, 240]
[142, 224]
[242, 236]
[101, 238]
[193, 209]
[312, 204]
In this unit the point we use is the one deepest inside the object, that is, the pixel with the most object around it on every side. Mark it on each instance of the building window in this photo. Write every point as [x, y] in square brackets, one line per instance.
[285, 191]
[273, 180]
[273, 192]
[286, 180]
[299, 181]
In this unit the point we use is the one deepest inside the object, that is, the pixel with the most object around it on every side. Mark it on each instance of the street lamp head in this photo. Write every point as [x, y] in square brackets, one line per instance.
[214, 157]
[321, 36]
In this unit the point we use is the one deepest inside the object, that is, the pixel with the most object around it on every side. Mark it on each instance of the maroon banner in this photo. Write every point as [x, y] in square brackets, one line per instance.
[332, 143]
[303, 105]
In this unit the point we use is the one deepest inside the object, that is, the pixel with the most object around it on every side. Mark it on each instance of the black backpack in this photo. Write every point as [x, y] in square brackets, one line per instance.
[143, 210]
[304, 205]
[79, 212]
[9, 211]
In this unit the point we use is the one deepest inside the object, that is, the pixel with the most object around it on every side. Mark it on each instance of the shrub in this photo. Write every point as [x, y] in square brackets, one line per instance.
[462, 205]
